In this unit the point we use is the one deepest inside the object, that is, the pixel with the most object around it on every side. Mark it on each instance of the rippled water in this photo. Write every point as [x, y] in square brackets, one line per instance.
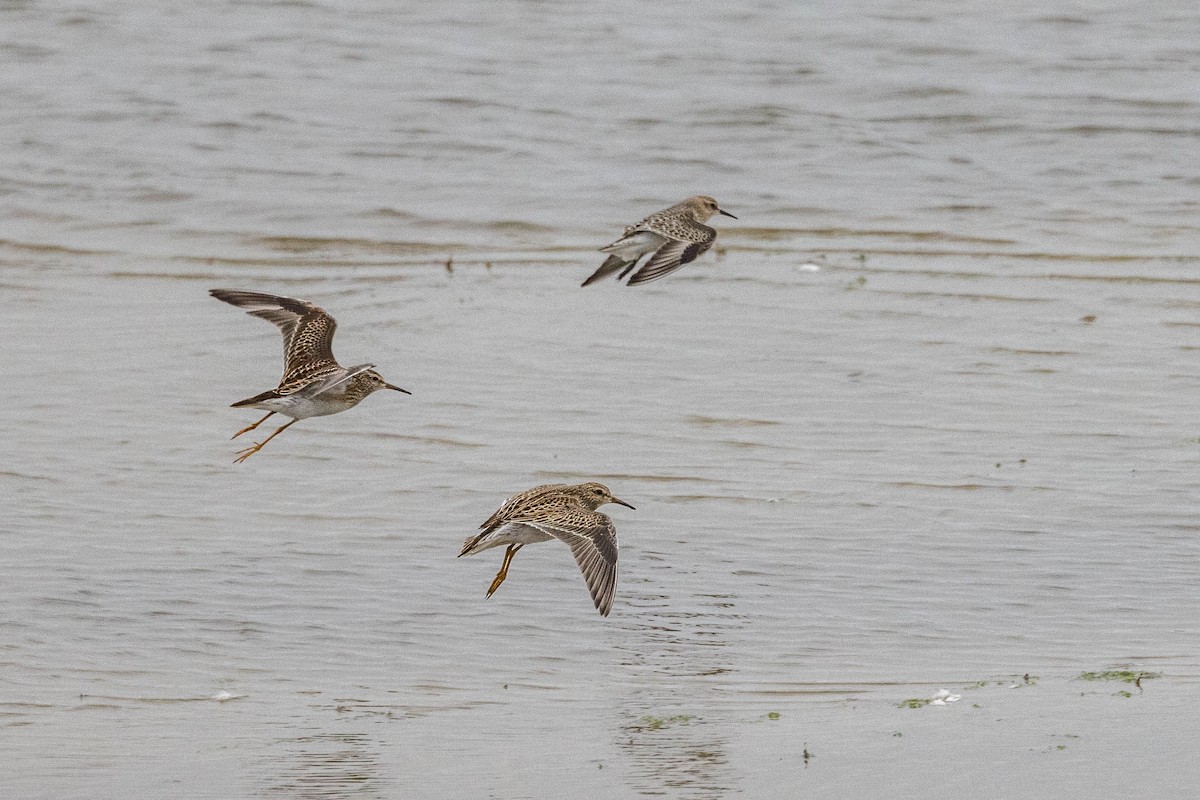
[924, 419]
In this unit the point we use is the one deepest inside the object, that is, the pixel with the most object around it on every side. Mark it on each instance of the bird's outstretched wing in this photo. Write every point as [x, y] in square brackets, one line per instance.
[670, 257]
[592, 538]
[307, 330]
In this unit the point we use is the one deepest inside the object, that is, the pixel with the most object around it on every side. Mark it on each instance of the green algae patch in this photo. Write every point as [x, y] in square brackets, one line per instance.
[1123, 675]
[915, 702]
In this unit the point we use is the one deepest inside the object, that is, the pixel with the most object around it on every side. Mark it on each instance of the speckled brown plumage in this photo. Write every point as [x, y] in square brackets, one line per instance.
[307, 334]
[675, 235]
[313, 383]
[558, 511]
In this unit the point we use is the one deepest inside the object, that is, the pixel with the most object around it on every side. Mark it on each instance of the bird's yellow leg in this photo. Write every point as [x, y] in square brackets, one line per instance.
[249, 451]
[251, 427]
[503, 573]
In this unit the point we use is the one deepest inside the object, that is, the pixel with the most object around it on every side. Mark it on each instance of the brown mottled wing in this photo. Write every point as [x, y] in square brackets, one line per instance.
[307, 330]
[670, 257]
[513, 508]
[592, 538]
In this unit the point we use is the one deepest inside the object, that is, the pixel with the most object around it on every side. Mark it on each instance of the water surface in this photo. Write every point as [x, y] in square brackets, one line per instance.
[923, 420]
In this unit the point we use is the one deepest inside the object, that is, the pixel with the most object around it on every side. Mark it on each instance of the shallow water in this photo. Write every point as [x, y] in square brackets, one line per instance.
[923, 419]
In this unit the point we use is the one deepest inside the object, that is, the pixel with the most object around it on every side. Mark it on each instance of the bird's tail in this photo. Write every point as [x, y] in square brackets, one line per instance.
[469, 544]
[270, 394]
[611, 264]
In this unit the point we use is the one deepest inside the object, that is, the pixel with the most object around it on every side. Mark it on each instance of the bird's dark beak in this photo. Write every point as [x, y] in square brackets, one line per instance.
[726, 213]
[396, 388]
[622, 503]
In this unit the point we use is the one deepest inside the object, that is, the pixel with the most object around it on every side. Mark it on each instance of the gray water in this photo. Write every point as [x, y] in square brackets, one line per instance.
[923, 420]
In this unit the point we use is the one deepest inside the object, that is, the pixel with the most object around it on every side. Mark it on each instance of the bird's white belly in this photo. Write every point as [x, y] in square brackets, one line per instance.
[512, 533]
[299, 407]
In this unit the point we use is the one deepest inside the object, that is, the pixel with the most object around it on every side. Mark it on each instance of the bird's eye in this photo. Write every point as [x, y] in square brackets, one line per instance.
[597, 491]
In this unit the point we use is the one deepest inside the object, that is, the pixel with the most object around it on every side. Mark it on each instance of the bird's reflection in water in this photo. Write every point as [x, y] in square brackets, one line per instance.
[328, 765]
[679, 755]
[669, 724]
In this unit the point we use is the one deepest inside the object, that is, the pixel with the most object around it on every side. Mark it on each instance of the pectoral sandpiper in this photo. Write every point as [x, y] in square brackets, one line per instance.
[557, 511]
[313, 383]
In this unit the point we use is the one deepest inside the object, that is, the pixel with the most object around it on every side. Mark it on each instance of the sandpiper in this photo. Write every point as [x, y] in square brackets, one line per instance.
[675, 235]
[557, 511]
[313, 383]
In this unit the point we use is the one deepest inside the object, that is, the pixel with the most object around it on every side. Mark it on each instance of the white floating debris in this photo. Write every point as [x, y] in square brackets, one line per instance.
[810, 267]
[943, 696]
[222, 697]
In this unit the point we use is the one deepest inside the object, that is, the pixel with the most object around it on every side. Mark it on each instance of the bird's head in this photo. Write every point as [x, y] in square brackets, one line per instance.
[595, 495]
[372, 381]
[704, 207]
